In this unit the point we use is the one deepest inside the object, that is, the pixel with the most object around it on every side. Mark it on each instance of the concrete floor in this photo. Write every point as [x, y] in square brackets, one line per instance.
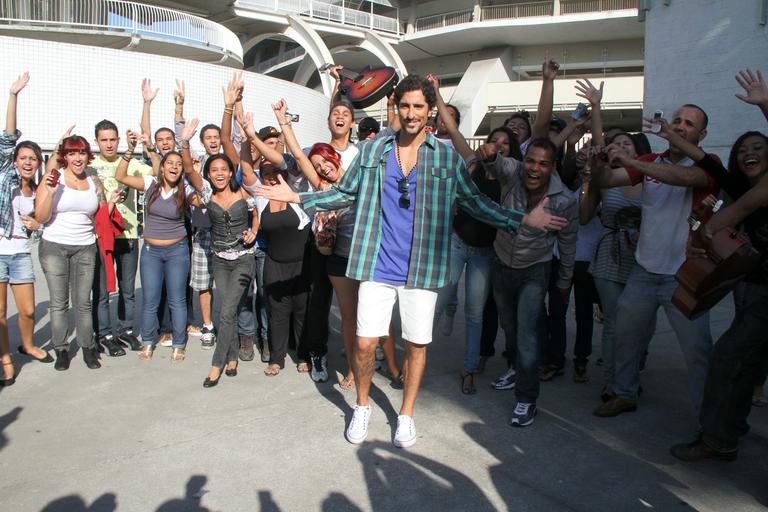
[146, 436]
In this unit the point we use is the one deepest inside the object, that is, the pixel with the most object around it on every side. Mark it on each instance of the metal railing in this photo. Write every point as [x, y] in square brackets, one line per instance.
[522, 10]
[443, 20]
[124, 17]
[279, 59]
[579, 6]
[324, 11]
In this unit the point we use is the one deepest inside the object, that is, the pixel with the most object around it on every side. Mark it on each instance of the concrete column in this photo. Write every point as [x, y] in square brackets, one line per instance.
[692, 55]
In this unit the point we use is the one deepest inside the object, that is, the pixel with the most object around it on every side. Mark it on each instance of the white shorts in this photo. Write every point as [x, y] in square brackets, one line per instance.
[374, 311]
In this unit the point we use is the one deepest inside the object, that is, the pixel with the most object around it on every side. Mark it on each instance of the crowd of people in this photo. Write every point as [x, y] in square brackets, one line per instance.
[544, 210]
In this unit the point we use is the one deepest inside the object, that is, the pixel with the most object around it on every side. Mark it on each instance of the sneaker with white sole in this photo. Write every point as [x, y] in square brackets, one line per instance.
[207, 337]
[357, 430]
[405, 435]
[319, 371]
[523, 414]
[506, 381]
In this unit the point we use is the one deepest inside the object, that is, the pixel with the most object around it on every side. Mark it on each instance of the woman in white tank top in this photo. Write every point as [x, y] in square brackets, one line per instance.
[67, 200]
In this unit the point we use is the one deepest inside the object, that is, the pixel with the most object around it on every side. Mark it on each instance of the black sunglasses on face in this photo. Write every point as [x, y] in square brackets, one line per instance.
[402, 187]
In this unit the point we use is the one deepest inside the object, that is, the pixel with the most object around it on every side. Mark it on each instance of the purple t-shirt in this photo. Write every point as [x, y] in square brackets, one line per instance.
[397, 226]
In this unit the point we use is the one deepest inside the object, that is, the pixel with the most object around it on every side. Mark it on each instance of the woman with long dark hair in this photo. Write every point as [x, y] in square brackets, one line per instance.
[233, 240]
[18, 165]
[164, 254]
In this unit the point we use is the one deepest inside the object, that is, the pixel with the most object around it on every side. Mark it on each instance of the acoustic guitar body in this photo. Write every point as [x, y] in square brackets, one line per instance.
[703, 282]
[369, 86]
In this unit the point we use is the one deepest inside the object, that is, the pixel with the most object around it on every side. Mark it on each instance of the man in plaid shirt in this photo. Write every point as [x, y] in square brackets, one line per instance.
[404, 187]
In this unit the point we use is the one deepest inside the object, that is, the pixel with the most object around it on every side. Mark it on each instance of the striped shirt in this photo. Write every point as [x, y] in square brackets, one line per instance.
[443, 182]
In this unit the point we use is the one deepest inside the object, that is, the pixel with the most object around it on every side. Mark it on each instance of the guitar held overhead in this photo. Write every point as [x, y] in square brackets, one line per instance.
[368, 86]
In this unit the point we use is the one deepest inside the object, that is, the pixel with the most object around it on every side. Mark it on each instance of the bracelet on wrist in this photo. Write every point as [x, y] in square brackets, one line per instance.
[228, 110]
[151, 149]
[127, 158]
[285, 124]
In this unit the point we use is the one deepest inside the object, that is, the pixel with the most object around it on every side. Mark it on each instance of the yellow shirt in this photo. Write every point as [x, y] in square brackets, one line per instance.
[106, 172]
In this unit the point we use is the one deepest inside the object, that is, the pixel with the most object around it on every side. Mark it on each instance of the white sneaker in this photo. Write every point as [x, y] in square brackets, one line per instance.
[405, 435]
[358, 427]
[319, 371]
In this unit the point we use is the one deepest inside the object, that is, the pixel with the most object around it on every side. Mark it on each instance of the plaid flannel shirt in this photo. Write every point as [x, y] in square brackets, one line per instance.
[442, 181]
[9, 180]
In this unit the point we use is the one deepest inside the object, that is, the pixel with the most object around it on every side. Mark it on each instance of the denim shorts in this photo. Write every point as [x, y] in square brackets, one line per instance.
[16, 268]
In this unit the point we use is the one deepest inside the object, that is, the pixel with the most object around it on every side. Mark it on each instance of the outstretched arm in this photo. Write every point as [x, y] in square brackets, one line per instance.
[459, 142]
[736, 212]
[232, 94]
[186, 156]
[280, 108]
[10, 116]
[544, 115]
[670, 174]
[756, 91]
[121, 174]
[148, 95]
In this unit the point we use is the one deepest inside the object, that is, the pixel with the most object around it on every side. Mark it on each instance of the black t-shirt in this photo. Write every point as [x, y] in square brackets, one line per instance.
[471, 230]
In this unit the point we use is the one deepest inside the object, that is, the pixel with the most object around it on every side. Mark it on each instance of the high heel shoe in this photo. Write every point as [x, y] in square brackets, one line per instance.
[4, 383]
[47, 359]
[209, 383]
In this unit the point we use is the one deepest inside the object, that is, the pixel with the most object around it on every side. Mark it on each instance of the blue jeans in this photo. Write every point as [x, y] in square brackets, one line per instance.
[519, 294]
[247, 324]
[168, 264]
[477, 283]
[636, 310]
[609, 292]
[126, 259]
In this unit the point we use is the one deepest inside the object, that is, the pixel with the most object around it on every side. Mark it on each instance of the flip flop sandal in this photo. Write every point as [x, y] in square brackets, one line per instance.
[302, 367]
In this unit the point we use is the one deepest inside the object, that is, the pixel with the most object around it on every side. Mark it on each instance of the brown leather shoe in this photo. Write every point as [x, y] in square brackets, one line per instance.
[699, 450]
[614, 407]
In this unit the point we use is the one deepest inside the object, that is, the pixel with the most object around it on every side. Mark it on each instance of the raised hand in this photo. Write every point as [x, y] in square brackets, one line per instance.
[588, 91]
[280, 108]
[753, 84]
[234, 90]
[539, 219]
[178, 93]
[146, 90]
[279, 192]
[434, 81]
[664, 130]
[131, 138]
[20, 83]
[335, 72]
[549, 68]
[189, 130]
[246, 121]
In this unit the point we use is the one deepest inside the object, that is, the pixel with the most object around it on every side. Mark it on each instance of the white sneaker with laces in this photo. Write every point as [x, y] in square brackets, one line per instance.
[357, 430]
[506, 381]
[523, 414]
[405, 435]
